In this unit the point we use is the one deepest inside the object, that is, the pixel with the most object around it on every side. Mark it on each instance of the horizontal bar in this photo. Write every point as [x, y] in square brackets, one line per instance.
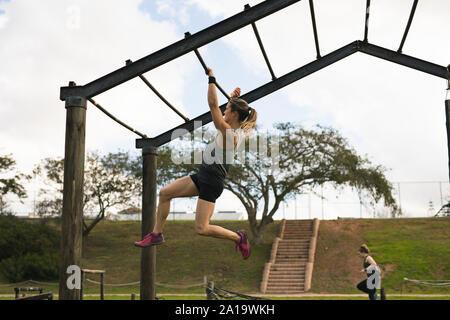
[366, 25]
[255, 94]
[115, 119]
[313, 19]
[402, 59]
[186, 119]
[205, 68]
[176, 49]
[261, 46]
[408, 25]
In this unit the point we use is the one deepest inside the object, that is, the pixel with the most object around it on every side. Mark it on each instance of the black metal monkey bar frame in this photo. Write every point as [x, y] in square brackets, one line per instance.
[76, 98]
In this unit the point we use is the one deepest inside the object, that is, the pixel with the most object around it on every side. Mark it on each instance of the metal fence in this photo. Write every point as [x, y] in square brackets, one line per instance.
[414, 198]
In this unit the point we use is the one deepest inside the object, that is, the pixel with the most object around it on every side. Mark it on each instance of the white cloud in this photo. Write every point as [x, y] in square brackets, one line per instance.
[46, 44]
[393, 114]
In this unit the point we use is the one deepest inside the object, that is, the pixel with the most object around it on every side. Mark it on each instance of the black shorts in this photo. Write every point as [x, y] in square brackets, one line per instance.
[209, 187]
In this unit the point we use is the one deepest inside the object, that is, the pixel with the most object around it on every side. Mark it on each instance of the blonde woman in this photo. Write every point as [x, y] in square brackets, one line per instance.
[208, 183]
[369, 266]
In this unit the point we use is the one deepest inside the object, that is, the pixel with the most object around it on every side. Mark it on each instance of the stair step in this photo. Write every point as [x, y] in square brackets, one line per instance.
[287, 268]
[294, 247]
[283, 282]
[285, 289]
[286, 274]
[290, 261]
[285, 285]
[286, 278]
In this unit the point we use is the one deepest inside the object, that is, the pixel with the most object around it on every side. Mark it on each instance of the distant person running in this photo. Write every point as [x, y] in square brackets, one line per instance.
[208, 182]
[370, 266]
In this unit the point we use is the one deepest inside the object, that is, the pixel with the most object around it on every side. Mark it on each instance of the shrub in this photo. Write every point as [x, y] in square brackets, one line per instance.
[31, 266]
[28, 250]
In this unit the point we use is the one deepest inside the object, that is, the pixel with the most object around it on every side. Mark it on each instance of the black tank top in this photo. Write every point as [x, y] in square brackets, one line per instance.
[219, 167]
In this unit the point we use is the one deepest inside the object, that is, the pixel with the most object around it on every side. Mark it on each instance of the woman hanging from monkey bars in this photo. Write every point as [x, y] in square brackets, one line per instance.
[208, 183]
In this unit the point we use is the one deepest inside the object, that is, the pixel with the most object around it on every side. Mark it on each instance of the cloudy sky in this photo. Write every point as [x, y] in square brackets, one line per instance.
[390, 113]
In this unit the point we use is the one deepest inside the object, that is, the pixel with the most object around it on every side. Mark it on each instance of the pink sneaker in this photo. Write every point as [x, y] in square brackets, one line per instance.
[243, 245]
[150, 239]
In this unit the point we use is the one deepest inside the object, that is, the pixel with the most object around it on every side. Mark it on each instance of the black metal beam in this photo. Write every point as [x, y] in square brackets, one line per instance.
[313, 19]
[186, 119]
[408, 25]
[253, 95]
[261, 46]
[402, 59]
[176, 49]
[366, 24]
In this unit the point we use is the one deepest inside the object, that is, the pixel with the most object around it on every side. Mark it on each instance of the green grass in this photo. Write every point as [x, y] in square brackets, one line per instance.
[412, 248]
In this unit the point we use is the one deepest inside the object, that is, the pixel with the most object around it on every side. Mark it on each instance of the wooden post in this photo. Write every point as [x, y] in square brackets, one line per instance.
[82, 284]
[72, 213]
[102, 293]
[148, 255]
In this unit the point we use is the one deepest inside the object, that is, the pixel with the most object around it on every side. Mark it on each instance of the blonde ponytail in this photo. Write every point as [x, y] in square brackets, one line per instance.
[247, 115]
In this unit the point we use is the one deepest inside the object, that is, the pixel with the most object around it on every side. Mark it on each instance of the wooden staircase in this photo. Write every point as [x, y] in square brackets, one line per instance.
[290, 267]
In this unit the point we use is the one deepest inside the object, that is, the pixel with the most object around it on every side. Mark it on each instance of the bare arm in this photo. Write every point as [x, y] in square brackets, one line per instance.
[213, 103]
[371, 261]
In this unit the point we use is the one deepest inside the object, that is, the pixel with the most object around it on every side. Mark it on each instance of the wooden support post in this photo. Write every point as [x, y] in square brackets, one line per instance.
[102, 292]
[72, 213]
[148, 255]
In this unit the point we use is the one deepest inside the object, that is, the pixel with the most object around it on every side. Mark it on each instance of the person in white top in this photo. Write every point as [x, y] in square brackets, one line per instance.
[238, 121]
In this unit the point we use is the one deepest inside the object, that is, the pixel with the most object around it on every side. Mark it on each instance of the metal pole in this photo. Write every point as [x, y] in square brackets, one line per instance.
[321, 187]
[186, 119]
[366, 26]
[411, 15]
[148, 255]
[295, 210]
[447, 117]
[205, 67]
[72, 213]
[261, 46]
[309, 204]
[115, 119]
[313, 19]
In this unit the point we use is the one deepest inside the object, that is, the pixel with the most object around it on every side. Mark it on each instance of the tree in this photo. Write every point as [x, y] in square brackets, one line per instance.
[10, 182]
[109, 181]
[51, 174]
[306, 159]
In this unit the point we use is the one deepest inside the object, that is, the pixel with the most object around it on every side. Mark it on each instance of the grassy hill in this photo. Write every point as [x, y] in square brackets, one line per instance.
[184, 259]
[412, 248]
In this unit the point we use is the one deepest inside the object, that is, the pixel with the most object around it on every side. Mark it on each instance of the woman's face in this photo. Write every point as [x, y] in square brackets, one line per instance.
[229, 115]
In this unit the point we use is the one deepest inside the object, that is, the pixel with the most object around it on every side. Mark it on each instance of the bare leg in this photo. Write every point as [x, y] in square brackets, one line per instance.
[203, 214]
[182, 187]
